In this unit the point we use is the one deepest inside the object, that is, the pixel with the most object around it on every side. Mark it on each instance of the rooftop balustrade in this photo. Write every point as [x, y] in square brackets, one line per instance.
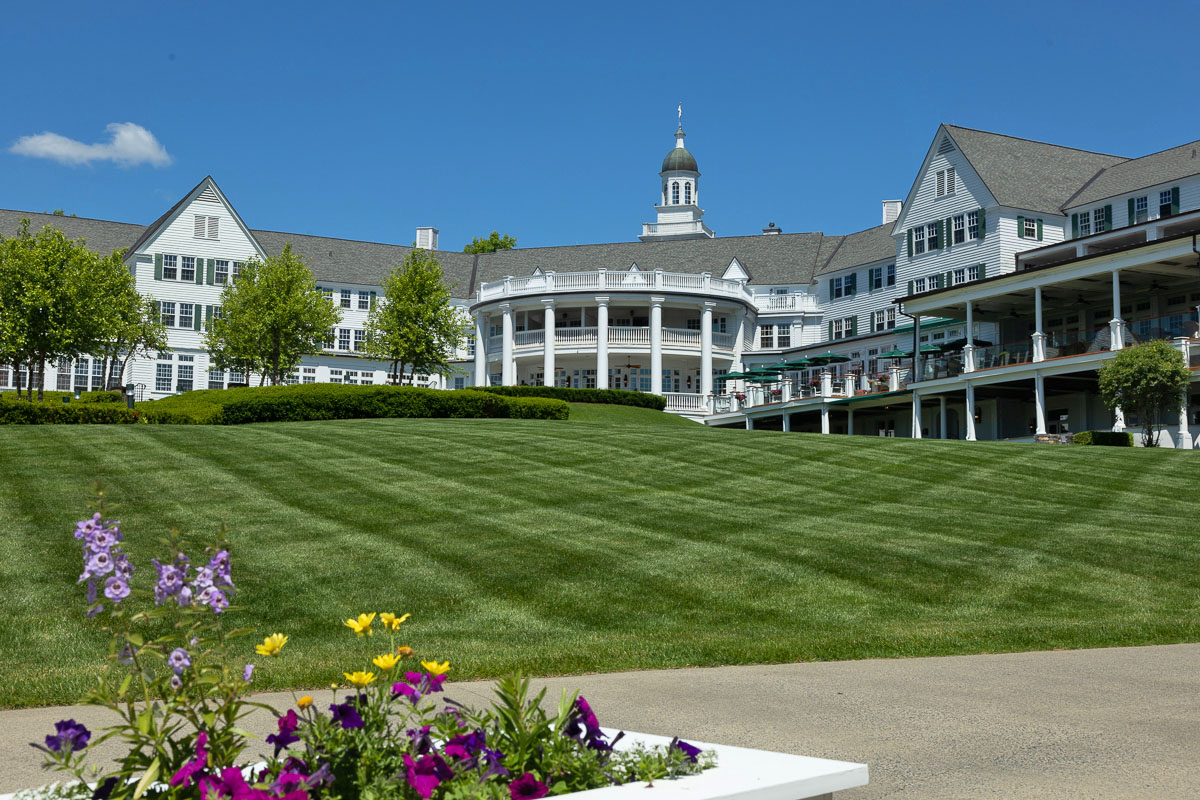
[703, 284]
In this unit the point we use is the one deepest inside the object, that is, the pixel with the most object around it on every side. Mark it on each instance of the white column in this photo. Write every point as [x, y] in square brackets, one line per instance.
[1039, 402]
[481, 349]
[825, 418]
[787, 422]
[749, 424]
[1183, 440]
[548, 344]
[916, 415]
[1039, 336]
[942, 427]
[971, 412]
[894, 378]
[741, 333]
[507, 371]
[864, 383]
[706, 349]
[1116, 324]
[602, 342]
[656, 304]
[969, 347]
[849, 421]
[826, 383]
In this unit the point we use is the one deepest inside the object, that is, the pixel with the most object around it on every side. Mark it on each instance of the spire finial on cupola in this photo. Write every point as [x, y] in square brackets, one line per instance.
[679, 134]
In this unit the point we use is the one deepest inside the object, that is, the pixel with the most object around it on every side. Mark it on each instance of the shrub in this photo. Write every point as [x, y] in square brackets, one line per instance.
[1104, 438]
[66, 414]
[109, 396]
[616, 397]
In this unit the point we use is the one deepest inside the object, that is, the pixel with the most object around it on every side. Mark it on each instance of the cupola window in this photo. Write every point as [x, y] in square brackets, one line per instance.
[675, 193]
[687, 193]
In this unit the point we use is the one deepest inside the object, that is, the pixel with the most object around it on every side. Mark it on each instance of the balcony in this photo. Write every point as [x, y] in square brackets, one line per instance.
[783, 303]
[619, 336]
[703, 284]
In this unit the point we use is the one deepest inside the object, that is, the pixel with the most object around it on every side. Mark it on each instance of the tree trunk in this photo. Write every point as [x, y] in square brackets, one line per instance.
[395, 373]
[29, 389]
[41, 378]
[17, 379]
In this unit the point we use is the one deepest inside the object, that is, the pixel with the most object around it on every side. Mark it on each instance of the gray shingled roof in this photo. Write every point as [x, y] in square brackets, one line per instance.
[1025, 174]
[101, 235]
[873, 244]
[1138, 173]
[775, 259]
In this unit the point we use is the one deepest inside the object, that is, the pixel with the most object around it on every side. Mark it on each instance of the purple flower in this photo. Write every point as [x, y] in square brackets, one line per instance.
[527, 787]
[421, 741]
[97, 565]
[287, 732]
[176, 683]
[116, 589]
[435, 682]
[584, 727]
[122, 567]
[472, 742]
[188, 771]
[126, 655]
[69, 736]
[407, 690]
[494, 761]
[347, 715]
[426, 774]
[690, 751]
[179, 660]
[248, 673]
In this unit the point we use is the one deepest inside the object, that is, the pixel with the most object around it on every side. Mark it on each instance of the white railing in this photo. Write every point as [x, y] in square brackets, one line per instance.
[529, 338]
[574, 336]
[785, 302]
[723, 341]
[626, 335]
[685, 401]
[702, 284]
[680, 337]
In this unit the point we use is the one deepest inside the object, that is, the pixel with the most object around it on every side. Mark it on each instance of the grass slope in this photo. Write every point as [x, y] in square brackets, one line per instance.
[560, 547]
[610, 414]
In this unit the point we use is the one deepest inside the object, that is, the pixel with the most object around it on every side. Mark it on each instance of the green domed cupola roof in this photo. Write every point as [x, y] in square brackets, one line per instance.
[679, 158]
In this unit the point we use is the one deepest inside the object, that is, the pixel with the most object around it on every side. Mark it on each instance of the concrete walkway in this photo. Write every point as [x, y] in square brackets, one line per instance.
[1111, 723]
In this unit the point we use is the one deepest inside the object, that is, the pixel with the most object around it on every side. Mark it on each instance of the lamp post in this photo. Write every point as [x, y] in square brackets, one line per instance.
[129, 390]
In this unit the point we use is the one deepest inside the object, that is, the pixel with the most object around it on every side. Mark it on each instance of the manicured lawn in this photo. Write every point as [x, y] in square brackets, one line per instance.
[564, 547]
[600, 412]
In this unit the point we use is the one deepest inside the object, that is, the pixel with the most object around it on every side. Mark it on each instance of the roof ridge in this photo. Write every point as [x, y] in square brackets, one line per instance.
[70, 216]
[1081, 189]
[343, 239]
[1037, 141]
[1192, 144]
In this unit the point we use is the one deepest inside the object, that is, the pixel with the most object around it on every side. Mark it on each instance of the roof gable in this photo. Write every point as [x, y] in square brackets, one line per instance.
[1140, 173]
[206, 191]
[943, 144]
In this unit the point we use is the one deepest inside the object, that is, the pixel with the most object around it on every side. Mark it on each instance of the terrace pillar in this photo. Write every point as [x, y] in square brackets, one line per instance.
[1116, 325]
[1039, 336]
[826, 383]
[548, 343]
[971, 437]
[916, 415]
[824, 418]
[741, 333]
[969, 347]
[706, 349]
[602, 341]
[787, 422]
[849, 421]
[1183, 440]
[1039, 402]
[481, 349]
[749, 423]
[656, 304]
[894, 378]
[864, 383]
[942, 427]
[507, 371]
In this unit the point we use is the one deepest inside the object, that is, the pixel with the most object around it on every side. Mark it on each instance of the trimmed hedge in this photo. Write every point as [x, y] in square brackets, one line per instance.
[1104, 438]
[615, 397]
[66, 414]
[111, 396]
[318, 401]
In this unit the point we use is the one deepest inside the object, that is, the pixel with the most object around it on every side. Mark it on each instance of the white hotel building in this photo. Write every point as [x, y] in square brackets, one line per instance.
[1016, 267]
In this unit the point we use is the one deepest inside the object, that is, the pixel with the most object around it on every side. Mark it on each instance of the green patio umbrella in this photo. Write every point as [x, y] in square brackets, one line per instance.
[799, 363]
[895, 352]
[829, 358]
[926, 349]
[959, 344]
[733, 376]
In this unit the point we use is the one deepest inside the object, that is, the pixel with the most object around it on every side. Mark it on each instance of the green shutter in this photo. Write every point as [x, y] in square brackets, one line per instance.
[1075, 225]
[1132, 212]
[854, 325]
[199, 270]
[982, 223]
[196, 320]
[1174, 200]
[1039, 230]
[207, 316]
[158, 309]
[982, 271]
[948, 279]
[851, 283]
[949, 231]
[830, 337]
[158, 266]
[372, 301]
[1108, 218]
[1020, 227]
[910, 246]
[910, 287]
[212, 271]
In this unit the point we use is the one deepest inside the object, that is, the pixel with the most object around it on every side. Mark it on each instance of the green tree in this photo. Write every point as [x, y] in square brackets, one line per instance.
[491, 244]
[1148, 380]
[137, 330]
[271, 317]
[413, 323]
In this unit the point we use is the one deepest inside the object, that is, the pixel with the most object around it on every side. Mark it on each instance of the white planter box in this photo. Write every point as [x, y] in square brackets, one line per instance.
[739, 773]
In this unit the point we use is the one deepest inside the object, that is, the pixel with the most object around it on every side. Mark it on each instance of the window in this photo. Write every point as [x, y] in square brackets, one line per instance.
[237, 270]
[783, 338]
[693, 324]
[1165, 204]
[920, 285]
[470, 347]
[187, 369]
[343, 338]
[352, 376]
[461, 383]
[162, 376]
[1100, 220]
[844, 286]
[187, 269]
[674, 196]
[891, 274]
[931, 235]
[221, 274]
[972, 224]
[1030, 228]
[167, 313]
[958, 276]
[841, 328]
[959, 224]
[186, 315]
[329, 339]
[883, 320]
[170, 269]
[358, 340]
[310, 375]
[345, 298]
[216, 379]
[81, 374]
[335, 376]
[1085, 223]
[835, 288]
[918, 240]
[875, 278]
[687, 193]
[364, 301]
[1141, 209]
[206, 227]
[945, 182]
[766, 336]
[973, 272]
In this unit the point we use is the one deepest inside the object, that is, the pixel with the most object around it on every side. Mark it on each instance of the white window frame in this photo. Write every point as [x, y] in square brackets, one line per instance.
[364, 300]
[359, 339]
[783, 336]
[918, 240]
[959, 225]
[345, 298]
[874, 278]
[1100, 223]
[973, 272]
[187, 311]
[1031, 227]
[766, 337]
[890, 275]
[164, 373]
[1141, 209]
[836, 289]
[170, 262]
[932, 231]
[166, 313]
[344, 339]
[221, 272]
[206, 227]
[945, 182]
[1085, 223]
[972, 225]
[919, 285]
[1164, 199]
[183, 267]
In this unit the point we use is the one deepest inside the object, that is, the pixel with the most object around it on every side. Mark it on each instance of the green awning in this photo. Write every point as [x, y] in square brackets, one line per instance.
[932, 322]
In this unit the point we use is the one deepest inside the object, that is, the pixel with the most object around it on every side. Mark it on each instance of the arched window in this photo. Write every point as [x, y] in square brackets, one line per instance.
[687, 193]
[675, 193]
[666, 197]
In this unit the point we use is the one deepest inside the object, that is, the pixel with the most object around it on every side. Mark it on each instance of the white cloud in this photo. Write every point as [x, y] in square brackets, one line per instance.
[130, 145]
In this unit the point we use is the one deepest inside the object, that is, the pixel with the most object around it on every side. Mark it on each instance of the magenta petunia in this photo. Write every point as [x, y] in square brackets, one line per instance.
[426, 774]
[527, 787]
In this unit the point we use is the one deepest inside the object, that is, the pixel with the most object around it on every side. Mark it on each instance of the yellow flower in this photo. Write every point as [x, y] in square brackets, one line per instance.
[362, 625]
[359, 678]
[404, 651]
[434, 668]
[385, 662]
[271, 645]
[304, 702]
[391, 621]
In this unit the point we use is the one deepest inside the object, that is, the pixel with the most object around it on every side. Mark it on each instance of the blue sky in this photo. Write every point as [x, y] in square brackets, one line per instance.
[548, 121]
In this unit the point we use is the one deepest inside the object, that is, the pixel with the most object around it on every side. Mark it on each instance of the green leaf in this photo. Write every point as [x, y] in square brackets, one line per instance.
[144, 721]
[124, 686]
[148, 778]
